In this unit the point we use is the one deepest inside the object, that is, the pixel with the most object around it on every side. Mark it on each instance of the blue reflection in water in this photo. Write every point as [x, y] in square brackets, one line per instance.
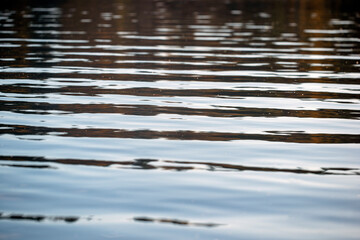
[179, 120]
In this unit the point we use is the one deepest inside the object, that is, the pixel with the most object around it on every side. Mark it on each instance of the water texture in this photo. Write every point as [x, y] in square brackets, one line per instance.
[191, 119]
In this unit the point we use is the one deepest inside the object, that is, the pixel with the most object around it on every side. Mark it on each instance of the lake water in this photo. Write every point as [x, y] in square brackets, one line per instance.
[180, 119]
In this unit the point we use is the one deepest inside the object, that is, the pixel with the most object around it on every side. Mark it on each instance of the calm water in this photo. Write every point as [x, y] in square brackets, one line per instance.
[179, 119]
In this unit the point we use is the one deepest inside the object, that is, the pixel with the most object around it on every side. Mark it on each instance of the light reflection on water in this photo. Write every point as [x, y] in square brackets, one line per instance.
[179, 120]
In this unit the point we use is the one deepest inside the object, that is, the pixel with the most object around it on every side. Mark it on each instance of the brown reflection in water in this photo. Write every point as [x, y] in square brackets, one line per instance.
[146, 18]
[153, 78]
[37, 218]
[323, 171]
[313, 15]
[145, 164]
[273, 136]
[29, 166]
[152, 110]
[175, 222]
[156, 92]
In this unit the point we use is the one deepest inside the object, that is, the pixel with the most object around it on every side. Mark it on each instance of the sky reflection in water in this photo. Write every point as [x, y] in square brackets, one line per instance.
[179, 120]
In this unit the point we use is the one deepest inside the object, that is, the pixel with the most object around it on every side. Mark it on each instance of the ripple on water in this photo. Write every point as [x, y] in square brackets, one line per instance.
[201, 119]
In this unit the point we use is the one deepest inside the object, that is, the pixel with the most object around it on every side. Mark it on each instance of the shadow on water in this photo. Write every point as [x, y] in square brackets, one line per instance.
[44, 108]
[272, 136]
[151, 164]
[154, 92]
[37, 218]
[175, 222]
[73, 219]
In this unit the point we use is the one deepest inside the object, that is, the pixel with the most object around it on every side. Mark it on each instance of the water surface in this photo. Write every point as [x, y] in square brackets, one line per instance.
[179, 119]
